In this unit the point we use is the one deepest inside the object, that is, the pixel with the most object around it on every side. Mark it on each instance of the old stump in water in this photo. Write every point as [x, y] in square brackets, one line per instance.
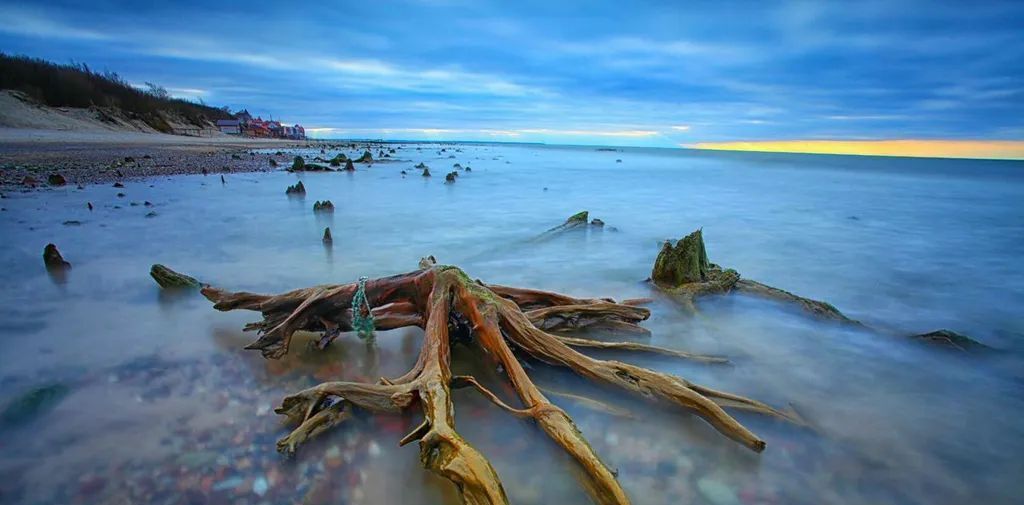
[683, 271]
[454, 309]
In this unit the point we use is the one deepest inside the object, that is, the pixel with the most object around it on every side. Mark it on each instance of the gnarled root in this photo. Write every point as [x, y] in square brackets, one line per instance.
[684, 272]
[442, 300]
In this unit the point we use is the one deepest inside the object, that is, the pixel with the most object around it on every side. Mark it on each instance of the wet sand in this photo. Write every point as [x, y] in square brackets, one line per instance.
[104, 157]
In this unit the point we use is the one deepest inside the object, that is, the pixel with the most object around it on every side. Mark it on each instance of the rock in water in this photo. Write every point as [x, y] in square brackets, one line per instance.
[349, 167]
[327, 236]
[365, 158]
[298, 164]
[450, 177]
[52, 257]
[426, 172]
[324, 206]
[33, 404]
[295, 189]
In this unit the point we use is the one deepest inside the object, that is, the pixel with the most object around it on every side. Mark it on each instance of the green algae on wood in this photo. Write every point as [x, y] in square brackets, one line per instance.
[578, 218]
[684, 272]
[682, 263]
[169, 279]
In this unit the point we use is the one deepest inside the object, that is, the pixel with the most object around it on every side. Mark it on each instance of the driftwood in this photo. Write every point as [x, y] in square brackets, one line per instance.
[683, 271]
[577, 221]
[453, 308]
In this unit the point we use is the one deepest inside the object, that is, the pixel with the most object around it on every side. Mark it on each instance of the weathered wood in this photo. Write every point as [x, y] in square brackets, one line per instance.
[434, 296]
[684, 272]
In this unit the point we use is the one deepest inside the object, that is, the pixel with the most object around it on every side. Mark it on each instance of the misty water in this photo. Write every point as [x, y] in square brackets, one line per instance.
[159, 403]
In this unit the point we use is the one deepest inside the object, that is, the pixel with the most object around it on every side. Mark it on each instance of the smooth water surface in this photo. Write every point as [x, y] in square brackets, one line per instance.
[163, 406]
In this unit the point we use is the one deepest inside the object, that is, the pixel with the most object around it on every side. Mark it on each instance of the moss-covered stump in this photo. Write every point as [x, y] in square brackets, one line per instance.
[324, 206]
[508, 326]
[577, 221]
[683, 263]
[169, 279]
[952, 340]
[684, 272]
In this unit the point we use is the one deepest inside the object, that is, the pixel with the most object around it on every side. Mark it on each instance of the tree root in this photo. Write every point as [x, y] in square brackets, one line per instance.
[684, 272]
[448, 305]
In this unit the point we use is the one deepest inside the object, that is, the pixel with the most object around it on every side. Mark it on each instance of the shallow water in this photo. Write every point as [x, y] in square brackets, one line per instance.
[165, 406]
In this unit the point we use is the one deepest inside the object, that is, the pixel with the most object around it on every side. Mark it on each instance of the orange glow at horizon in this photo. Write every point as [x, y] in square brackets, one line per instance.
[982, 149]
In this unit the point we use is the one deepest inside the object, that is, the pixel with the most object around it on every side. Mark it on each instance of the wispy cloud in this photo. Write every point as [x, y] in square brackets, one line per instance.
[986, 149]
[37, 24]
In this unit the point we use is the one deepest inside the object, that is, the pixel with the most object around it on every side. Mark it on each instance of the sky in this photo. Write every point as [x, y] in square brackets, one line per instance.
[614, 73]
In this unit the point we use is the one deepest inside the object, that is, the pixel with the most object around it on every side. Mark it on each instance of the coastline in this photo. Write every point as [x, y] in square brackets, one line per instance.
[96, 157]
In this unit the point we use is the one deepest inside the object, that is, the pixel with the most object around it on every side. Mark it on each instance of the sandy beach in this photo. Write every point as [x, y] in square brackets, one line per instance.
[89, 157]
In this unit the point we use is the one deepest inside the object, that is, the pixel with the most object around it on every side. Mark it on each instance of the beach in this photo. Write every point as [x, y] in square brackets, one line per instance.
[99, 156]
[160, 402]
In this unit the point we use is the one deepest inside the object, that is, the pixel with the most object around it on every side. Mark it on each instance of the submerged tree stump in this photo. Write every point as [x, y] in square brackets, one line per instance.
[684, 272]
[452, 308]
[169, 279]
[53, 259]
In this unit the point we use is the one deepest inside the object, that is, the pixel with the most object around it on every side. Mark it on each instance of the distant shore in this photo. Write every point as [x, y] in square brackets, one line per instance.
[28, 157]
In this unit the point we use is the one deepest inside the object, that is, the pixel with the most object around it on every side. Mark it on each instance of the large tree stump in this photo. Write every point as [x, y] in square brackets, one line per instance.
[684, 272]
[452, 308]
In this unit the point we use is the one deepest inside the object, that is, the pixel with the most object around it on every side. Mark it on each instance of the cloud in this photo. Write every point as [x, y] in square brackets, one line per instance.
[914, 148]
[30, 23]
[641, 75]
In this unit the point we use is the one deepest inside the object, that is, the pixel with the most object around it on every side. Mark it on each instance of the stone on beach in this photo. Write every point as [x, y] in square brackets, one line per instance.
[56, 180]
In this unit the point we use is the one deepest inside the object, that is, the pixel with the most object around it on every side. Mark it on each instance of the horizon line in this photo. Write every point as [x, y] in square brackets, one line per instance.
[1004, 150]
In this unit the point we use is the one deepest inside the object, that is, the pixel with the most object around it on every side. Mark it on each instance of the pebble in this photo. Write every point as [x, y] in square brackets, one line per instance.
[260, 486]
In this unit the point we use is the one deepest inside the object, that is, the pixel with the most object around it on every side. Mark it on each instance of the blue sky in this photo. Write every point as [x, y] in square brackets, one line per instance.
[623, 73]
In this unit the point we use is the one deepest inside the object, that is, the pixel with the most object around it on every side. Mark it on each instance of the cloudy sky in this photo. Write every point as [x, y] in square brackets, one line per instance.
[623, 73]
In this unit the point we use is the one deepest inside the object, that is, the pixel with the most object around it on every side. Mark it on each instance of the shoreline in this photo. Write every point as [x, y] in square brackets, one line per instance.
[29, 157]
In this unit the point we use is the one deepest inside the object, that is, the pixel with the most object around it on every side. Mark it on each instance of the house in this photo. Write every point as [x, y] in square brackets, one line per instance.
[243, 117]
[229, 126]
[293, 132]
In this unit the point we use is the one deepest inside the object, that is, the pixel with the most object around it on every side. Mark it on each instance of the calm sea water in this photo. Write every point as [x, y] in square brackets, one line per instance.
[163, 406]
